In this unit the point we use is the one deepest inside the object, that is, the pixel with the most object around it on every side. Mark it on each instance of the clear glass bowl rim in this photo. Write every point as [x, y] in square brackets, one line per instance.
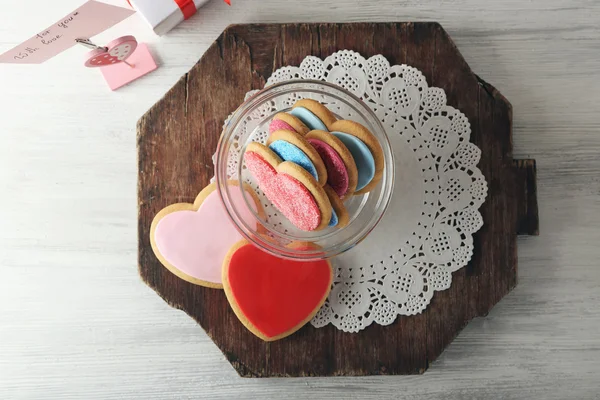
[262, 241]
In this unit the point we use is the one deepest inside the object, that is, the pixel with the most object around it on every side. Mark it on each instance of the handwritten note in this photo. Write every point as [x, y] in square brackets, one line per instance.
[88, 20]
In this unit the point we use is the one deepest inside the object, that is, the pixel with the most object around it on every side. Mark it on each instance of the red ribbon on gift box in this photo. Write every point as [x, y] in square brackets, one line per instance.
[187, 7]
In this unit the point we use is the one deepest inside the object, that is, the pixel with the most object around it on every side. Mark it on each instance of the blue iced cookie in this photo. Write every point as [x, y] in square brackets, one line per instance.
[365, 136]
[339, 215]
[325, 118]
[306, 150]
[311, 120]
[365, 163]
[289, 152]
[334, 219]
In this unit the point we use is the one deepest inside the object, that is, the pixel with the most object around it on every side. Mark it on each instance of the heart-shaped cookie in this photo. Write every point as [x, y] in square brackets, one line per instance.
[297, 140]
[342, 177]
[366, 151]
[115, 52]
[291, 189]
[192, 240]
[274, 297]
[285, 121]
[314, 114]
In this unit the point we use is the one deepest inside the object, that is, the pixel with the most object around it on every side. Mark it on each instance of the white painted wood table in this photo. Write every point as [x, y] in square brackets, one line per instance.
[76, 322]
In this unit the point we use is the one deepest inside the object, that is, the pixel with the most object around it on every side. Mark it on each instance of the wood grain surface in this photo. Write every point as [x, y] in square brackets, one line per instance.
[178, 136]
[75, 319]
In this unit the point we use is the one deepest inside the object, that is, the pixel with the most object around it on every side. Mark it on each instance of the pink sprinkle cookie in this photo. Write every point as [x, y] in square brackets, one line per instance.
[287, 194]
[294, 200]
[262, 171]
[292, 190]
[292, 122]
[337, 174]
[278, 124]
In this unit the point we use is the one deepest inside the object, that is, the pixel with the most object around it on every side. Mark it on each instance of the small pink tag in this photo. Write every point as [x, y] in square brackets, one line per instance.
[119, 75]
[88, 20]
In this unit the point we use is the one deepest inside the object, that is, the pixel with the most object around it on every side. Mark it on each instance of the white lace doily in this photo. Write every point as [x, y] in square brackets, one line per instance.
[426, 233]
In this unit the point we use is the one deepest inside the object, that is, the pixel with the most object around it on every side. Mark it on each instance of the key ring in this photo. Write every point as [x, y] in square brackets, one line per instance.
[87, 43]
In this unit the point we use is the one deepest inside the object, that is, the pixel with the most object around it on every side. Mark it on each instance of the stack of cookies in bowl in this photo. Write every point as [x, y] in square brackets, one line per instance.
[312, 163]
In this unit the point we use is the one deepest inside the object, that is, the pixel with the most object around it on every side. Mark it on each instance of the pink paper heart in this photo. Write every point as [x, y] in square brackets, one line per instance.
[192, 240]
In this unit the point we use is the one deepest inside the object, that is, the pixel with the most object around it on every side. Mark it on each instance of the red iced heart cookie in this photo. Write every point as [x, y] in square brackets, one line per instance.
[271, 296]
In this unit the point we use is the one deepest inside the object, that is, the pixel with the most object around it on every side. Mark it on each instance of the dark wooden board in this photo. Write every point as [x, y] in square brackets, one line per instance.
[178, 135]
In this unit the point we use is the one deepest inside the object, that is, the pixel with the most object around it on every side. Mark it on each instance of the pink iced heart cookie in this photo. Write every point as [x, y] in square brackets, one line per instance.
[115, 52]
[192, 240]
[292, 190]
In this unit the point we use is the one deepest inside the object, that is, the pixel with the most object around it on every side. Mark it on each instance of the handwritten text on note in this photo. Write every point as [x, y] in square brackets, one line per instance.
[88, 20]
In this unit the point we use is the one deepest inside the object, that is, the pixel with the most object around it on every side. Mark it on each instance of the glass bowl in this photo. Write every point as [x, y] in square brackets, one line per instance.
[269, 230]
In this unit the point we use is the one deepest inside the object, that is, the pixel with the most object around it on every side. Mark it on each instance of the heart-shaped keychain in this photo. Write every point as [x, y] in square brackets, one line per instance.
[116, 51]
[111, 60]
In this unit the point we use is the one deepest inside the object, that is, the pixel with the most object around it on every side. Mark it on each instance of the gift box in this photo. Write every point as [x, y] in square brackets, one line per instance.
[164, 15]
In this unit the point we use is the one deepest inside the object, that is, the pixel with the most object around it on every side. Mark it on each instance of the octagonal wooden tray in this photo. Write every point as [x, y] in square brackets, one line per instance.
[178, 136]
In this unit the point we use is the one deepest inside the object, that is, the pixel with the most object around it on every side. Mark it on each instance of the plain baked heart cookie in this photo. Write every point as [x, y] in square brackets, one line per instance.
[274, 297]
[192, 240]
